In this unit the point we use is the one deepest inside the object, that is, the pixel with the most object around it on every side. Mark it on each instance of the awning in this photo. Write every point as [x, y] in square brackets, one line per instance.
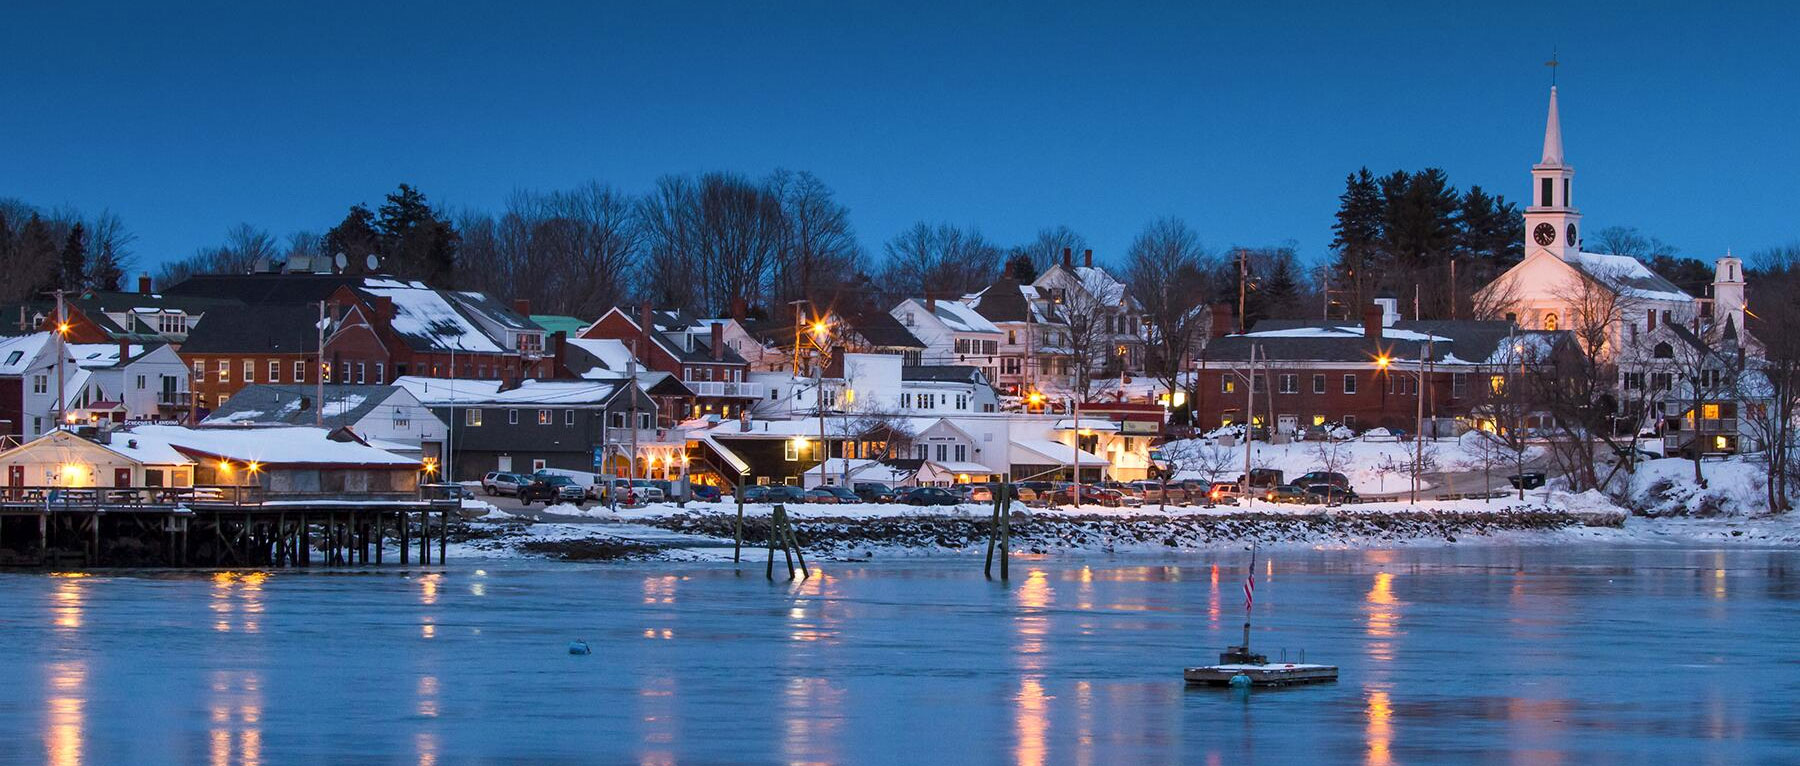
[1046, 452]
[1086, 424]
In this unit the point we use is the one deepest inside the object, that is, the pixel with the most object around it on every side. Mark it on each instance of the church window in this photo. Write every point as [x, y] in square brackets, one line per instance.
[1544, 192]
[1664, 351]
[1550, 321]
[1566, 200]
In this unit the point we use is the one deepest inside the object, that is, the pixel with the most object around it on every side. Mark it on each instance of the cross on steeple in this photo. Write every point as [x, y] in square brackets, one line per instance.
[1553, 64]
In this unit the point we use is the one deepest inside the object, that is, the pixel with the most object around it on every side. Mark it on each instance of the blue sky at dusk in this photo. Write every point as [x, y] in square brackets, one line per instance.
[1241, 118]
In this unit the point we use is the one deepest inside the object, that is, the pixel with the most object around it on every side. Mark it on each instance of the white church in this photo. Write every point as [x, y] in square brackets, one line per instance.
[1632, 317]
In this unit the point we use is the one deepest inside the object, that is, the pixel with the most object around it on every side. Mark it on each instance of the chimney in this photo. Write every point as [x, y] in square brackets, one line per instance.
[646, 325]
[931, 301]
[124, 351]
[144, 283]
[1372, 322]
[1087, 258]
[559, 356]
[522, 307]
[718, 341]
[740, 308]
[384, 306]
[1220, 326]
[1068, 258]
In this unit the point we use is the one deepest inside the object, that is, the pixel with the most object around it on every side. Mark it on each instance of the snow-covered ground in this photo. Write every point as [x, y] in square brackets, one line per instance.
[1375, 465]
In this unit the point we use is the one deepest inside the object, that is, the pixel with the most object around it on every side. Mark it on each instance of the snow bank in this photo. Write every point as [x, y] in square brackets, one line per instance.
[1736, 486]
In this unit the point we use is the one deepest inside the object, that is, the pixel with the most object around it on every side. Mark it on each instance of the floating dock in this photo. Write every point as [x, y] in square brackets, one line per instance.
[1267, 674]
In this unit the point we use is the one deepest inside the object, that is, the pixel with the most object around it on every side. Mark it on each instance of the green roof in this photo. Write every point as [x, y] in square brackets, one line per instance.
[559, 323]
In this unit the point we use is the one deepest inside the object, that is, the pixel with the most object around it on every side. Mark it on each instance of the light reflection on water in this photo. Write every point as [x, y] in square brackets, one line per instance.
[1518, 656]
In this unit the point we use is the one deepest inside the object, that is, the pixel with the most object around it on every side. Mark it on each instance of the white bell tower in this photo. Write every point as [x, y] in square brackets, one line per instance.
[1551, 222]
[1728, 294]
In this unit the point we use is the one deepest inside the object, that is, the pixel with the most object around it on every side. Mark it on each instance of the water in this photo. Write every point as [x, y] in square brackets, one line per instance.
[1536, 655]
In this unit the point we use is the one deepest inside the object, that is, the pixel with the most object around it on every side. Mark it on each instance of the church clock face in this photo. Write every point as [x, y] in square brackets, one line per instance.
[1572, 240]
[1544, 234]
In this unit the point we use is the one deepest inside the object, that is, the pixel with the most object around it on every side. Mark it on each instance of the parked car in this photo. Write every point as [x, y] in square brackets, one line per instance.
[705, 493]
[1262, 477]
[822, 495]
[1287, 493]
[648, 491]
[756, 494]
[502, 483]
[1224, 493]
[552, 489]
[1324, 477]
[984, 493]
[1036, 492]
[1122, 488]
[1154, 492]
[961, 491]
[1024, 494]
[1330, 494]
[872, 492]
[929, 496]
[782, 493]
[1526, 480]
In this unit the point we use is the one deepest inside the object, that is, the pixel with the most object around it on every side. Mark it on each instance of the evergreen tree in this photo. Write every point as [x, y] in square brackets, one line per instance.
[1358, 238]
[1020, 266]
[37, 258]
[414, 240]
[73, 275]
[355, 238]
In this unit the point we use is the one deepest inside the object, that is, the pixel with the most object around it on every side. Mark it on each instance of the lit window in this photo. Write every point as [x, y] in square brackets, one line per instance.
[1709, 411]
[1550, 321]
[471, 417]
[543, 417]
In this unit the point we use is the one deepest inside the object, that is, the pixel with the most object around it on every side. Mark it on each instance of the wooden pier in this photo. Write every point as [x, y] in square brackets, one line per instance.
[215, 527]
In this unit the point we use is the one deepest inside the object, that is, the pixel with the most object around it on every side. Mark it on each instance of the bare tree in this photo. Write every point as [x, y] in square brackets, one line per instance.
[1167, 272]
[246, 247]
[943, 260]
[711, 241]
[1771, 384]
[818, 250]
[1050, 244]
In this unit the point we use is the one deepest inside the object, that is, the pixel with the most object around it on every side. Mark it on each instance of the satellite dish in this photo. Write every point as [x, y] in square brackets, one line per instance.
[341, 261]
[373, 262]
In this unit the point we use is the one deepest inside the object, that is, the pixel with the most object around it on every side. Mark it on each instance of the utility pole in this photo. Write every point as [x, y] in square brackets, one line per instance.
[319, 374]
[1243, 279]
[1075, 409]
[1419, 425]
[1249, 424]
[62, 331]
[631, 380]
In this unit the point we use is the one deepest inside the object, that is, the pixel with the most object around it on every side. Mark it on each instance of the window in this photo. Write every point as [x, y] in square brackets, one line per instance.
[1318, 420]
[360, 370]
[1650, 319]
[471, 417]
[224, 370]
[568, 417]
[275, 371]
[1544, 188]
[1349, 421]
[1290, 383]
[1632, 381]
[643, 421]
[921, 451]
[544, 417]
[325, 371]
[1664, 351]
[1318, 384]
[300, 372]
[1709, 411]
[618, 420]
[401, 419]
[140, 382]
[380, 373]
[790, 450]
[1550, 321]
[1459, 385]
[1497, 385]
[249, 370]
[344, 373]
[962, 450]
[199, 371]
[943, 453]
[1259, 383]
[223, 398]
[512, 417]
[962, 401]
[1350, 384]
[1227, 385]
[40, 384]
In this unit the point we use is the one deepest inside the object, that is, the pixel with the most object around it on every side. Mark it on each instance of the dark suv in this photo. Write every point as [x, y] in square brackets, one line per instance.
[871, 492]
[550, 488]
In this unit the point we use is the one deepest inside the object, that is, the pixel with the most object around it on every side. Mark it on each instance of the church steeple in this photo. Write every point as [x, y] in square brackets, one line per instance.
[1551, 221]
[1553, 154]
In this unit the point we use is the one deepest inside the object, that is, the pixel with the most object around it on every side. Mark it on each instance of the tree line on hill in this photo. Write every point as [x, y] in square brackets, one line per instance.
[46, 250]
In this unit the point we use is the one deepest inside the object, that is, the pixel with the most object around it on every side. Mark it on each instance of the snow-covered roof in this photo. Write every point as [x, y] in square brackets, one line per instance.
[1629, 277]
[1042, 451]
[1387, 333]
[961, 317]
[613, 356]
[438, 392]
[285, 445]
[863, 470]
[17, 353]
[101, 355]
[425, 318]
[1086, 424]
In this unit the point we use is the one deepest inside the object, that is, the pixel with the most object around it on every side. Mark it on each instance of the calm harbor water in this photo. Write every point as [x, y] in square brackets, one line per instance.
[1522, 655]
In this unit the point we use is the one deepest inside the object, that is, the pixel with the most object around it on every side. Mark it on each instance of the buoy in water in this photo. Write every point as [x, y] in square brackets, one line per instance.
[580, 647]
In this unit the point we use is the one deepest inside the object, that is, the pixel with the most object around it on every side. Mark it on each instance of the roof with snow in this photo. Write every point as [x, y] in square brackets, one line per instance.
[17, 353]
[264, 329]
[958, 317]
[268, 404]
[1047, 452]
[440, 392]
[275, 446]
[598, 358]
[1448, 342]
[1007, 300]
[1628, 276]
[427, 320]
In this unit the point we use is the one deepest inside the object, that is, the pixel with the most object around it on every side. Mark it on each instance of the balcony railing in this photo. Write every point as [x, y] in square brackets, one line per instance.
[174, 398]
[723, 389]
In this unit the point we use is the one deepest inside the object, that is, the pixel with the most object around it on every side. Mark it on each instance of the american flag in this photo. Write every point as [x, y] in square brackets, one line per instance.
[1250, 582]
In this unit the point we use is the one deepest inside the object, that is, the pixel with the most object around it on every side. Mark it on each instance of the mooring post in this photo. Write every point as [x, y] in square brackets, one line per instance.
[1006, 537]
[380, 535]
[769, 571]
[737, 529]
[781, 531]
[794, 542]
[443, 536]
[424, 539]
[43, 537]
[987, 569]
[94, 536]
[405, 539]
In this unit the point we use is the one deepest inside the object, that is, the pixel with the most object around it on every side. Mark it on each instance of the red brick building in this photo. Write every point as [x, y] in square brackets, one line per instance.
[694, 352]
[1316, 373]
[384, 328]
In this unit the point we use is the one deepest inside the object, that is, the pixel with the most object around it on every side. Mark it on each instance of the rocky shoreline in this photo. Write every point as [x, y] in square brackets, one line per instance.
[1053, 533]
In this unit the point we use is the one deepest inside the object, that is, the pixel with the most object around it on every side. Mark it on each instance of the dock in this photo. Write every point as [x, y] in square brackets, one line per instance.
[70, 528]
[1268, 674]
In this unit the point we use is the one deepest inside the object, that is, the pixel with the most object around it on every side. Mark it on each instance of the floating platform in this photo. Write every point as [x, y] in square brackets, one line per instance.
[1263, 674]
